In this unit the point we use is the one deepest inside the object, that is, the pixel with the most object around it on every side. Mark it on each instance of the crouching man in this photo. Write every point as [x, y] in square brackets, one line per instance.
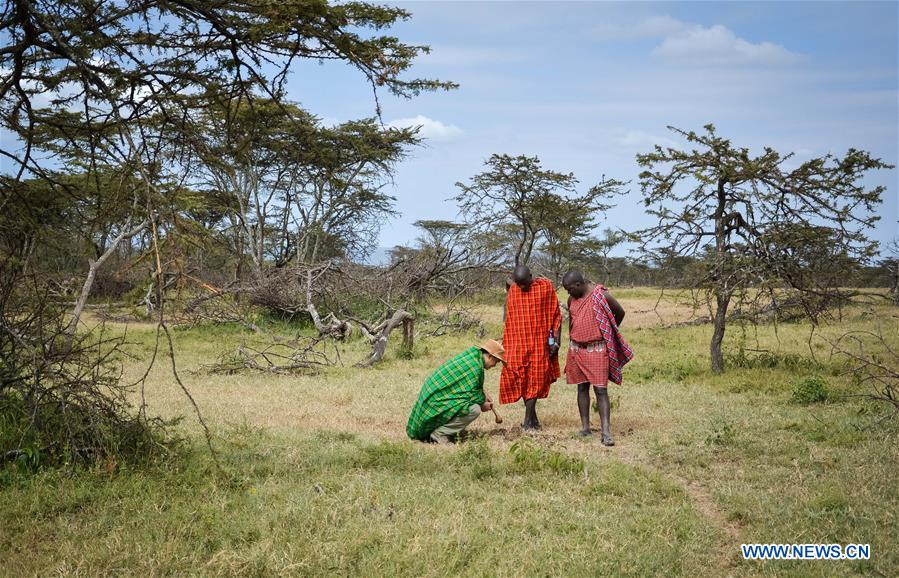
[453, 396]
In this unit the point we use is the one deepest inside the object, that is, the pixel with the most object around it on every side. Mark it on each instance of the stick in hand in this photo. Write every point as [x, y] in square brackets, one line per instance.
[499, 418]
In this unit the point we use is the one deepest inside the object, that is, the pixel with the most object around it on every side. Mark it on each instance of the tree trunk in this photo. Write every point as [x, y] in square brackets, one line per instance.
[721, 295]
[336, 328]
[519, 252]
[895, 289]
[408, 335]
[92, 273]
[379, 343]
[85, 293]
[238, 270]
[530, 249]
[718, 335]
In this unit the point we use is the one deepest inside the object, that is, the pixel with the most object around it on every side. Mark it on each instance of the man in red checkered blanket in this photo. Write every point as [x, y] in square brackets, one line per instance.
[531, 339]
[597, 351]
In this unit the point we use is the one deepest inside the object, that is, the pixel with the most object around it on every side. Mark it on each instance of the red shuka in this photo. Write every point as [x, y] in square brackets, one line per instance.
[529, 370]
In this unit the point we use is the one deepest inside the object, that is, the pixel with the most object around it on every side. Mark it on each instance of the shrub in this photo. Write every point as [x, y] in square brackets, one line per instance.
[811, 390]
[62, 397]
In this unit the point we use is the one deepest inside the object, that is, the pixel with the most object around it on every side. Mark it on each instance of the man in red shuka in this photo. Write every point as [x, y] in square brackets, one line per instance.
[597, 351]
[531, 339]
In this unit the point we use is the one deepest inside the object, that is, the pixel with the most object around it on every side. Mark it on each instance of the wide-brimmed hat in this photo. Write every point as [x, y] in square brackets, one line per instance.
[494, 348]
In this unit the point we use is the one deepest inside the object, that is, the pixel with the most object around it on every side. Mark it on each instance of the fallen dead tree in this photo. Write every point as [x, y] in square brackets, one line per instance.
[455, 320]
[304, 292]
[454, 316]
[292, 292]
[338, 298]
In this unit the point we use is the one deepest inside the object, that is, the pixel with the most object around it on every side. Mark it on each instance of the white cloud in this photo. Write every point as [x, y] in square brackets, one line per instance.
[430, 129]
[689, 43]
[660, 26]
[719, 45]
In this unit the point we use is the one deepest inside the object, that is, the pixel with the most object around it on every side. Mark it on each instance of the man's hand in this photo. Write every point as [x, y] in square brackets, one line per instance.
[487, 406]
[554, 350]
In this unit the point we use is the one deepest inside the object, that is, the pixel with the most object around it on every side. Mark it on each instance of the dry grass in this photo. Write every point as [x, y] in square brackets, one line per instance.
[369, 402]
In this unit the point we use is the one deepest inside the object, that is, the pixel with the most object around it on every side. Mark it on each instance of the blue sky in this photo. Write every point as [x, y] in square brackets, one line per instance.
[587, 85]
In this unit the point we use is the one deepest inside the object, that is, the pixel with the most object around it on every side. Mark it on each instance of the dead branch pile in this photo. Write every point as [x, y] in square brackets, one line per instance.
[337, 298]
[872, 362]
[455, 318]
[277, 357]
[340, 299]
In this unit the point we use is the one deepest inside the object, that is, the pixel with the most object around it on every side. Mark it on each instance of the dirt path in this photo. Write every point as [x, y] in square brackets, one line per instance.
[631, 453]
[702, 500]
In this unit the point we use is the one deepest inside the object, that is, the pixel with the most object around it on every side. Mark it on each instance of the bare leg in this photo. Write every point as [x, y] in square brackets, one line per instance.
[530, 414]
[583, 407]
[602, 401]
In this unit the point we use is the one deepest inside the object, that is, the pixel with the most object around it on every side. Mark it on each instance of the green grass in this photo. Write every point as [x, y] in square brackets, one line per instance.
[332, 504]
[318, 478]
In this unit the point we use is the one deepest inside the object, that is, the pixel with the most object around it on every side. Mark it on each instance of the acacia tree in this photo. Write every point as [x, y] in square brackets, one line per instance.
[293, 190]
[516, 194]
[604, 245]
[126, 84]
[756, 223]
[569, 222]
[340, 203]
[241, 161]
[891, 265]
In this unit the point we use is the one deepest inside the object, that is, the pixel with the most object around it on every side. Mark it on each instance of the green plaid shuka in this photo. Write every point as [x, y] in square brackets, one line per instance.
[449, 391]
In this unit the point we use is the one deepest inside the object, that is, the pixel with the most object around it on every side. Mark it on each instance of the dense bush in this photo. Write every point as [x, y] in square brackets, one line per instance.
[62, 398]
[810, 390]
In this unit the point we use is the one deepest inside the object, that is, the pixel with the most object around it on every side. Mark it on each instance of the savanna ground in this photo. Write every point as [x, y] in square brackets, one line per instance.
[317, 476]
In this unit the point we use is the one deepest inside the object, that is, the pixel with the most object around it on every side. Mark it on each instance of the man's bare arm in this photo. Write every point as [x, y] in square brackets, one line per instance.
[617, 309]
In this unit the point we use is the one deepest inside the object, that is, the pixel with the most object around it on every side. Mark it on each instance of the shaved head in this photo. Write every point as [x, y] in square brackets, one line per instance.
[575, 284]
[572, 277]
[522, 277]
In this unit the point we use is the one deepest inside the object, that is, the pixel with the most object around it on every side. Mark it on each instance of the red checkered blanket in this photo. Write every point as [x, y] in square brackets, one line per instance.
[619, 350]
[530, 315]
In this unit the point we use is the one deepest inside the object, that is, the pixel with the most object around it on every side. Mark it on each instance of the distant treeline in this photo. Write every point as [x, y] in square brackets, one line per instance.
[119, 282]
